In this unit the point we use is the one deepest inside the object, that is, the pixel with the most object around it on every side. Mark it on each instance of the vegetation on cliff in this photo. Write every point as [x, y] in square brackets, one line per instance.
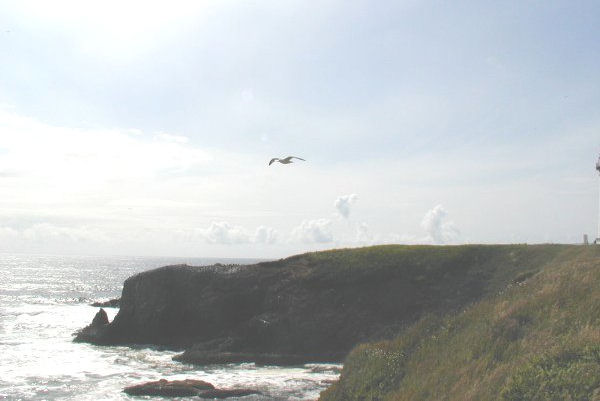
[536, 339]
[311, 307]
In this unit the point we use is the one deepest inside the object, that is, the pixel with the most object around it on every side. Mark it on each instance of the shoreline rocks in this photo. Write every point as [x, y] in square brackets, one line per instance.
[175, 388]
[94, 330]
[186, 388]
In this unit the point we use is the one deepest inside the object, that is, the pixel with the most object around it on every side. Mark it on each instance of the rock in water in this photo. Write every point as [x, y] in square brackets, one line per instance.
[111, 303]
[226, 393]
[95, 330]
[165, 388]
[100, 319]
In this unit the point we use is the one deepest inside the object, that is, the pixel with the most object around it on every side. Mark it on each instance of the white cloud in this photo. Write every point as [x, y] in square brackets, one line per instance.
[265, 235]
[223, 233]
[343, 203]
[440, 230]
[310, 231]
[80, 156]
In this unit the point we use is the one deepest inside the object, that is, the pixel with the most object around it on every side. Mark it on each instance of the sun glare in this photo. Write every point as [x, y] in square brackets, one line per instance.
[115, 29]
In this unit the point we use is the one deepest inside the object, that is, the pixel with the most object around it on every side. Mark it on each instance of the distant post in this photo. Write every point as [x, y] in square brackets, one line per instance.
[597, 240]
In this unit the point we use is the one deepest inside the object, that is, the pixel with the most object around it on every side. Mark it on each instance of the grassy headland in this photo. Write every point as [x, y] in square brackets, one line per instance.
[315, 306]
[537, 338]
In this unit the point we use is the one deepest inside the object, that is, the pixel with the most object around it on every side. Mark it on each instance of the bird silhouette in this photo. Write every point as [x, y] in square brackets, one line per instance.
[286, 160]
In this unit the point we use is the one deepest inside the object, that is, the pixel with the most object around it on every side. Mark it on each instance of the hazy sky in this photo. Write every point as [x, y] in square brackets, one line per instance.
[145, 128]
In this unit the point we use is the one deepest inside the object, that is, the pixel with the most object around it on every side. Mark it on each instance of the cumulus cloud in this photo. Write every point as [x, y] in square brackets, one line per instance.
[343, 203]
[223, 233]
[265, 235]
[439, 229]
[311, 231]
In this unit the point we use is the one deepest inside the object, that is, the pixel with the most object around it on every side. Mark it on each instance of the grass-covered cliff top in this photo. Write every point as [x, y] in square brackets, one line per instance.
[536, 339]
[492, 266]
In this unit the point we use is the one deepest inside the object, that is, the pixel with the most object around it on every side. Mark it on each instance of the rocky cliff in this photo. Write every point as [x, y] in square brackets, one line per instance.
[315, 306]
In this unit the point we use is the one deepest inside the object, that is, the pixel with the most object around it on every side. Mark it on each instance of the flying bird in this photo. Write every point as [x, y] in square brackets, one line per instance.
[286, 160]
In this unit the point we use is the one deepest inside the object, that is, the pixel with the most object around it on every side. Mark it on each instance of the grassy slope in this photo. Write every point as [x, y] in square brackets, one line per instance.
[538, 339]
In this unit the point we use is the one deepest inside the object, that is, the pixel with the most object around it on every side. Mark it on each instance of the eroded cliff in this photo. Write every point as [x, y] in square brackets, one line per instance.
[314, 306]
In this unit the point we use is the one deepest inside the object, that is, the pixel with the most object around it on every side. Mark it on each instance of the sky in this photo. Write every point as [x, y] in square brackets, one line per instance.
[145, 128]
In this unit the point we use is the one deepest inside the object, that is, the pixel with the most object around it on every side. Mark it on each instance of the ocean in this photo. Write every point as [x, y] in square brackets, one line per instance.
[44, 299]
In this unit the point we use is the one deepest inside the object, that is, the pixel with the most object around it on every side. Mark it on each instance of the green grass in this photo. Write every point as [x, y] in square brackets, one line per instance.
[570, 375]
[536, 339]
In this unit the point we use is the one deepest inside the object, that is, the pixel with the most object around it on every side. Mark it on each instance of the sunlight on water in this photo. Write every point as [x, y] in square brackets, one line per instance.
[45, 299]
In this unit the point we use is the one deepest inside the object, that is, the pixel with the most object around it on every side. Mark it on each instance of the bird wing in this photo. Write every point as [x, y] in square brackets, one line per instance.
[295, 157]
[273, 160]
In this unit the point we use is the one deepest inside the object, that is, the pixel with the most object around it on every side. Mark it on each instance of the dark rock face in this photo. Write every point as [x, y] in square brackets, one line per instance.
[111, 303]
[312, 307]
[100, 319]
[257, 309]
[175, 388]
[186, 388]
[96, 330]
[227, 393]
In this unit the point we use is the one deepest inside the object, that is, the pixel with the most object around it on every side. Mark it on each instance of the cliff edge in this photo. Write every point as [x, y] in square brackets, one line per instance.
[310, 307]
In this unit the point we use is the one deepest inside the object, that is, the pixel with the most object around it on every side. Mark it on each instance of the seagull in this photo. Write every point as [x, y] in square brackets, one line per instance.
[286, 160]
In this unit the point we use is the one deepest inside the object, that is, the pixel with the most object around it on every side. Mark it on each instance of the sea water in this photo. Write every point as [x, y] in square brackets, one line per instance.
[44, 299]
